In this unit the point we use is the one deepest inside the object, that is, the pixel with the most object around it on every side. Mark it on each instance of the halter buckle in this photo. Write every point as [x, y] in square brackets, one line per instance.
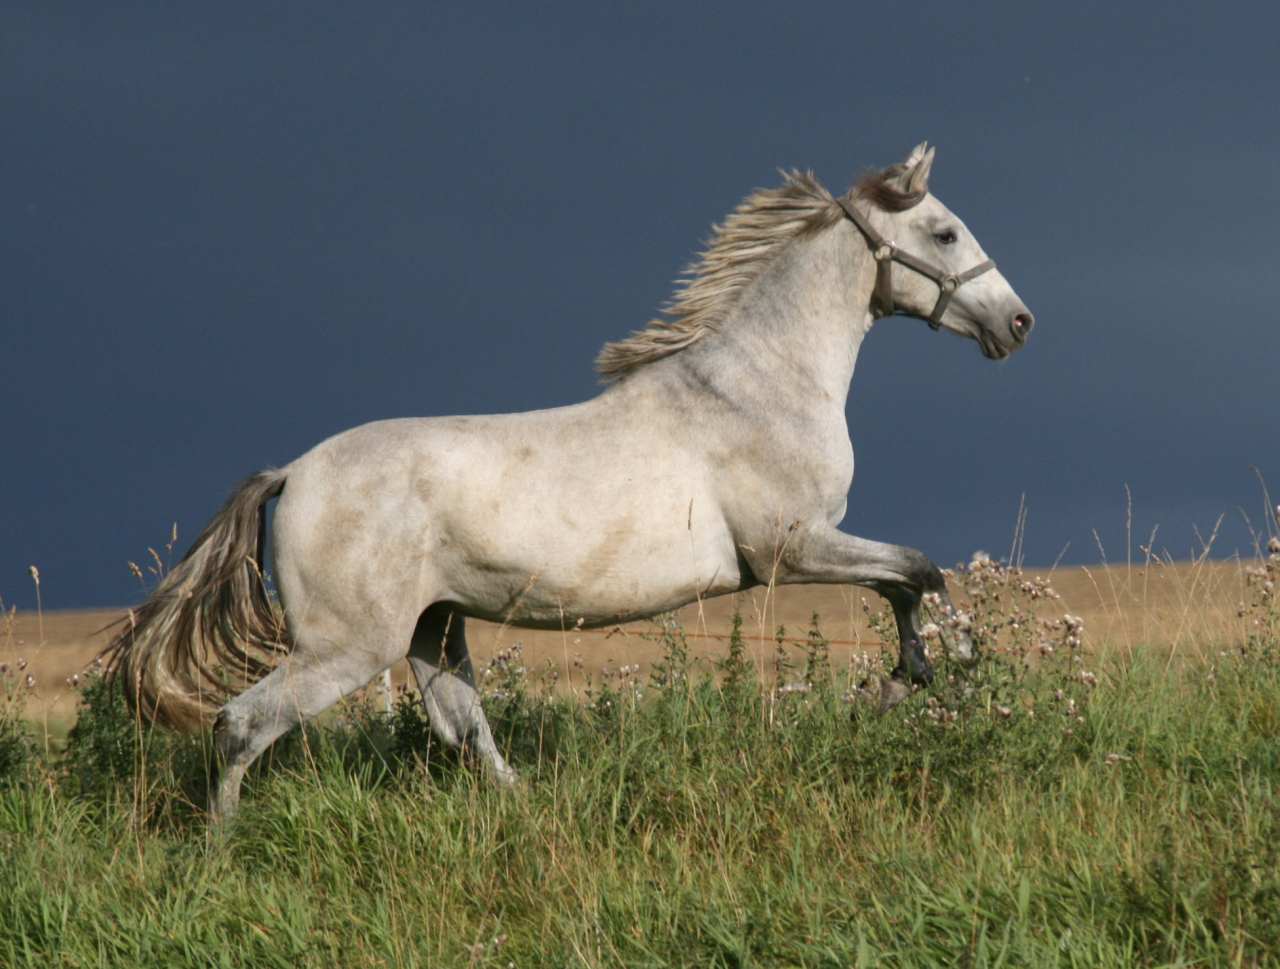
[949, 284]
[884, 252]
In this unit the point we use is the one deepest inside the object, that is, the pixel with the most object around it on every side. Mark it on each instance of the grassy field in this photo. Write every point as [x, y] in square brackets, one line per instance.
[1105, 798]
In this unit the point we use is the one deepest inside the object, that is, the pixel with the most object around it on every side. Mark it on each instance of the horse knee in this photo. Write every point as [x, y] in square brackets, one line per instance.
[922, 574]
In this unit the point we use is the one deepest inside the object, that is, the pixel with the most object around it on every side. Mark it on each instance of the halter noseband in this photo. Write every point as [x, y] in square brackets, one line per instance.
[886, 254]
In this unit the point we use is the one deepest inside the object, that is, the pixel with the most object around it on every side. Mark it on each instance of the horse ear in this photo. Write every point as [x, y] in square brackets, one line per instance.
[917, 176]
[912, 176]
[916, 156]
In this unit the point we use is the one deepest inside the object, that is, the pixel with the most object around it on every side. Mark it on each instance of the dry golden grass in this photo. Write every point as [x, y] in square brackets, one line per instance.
[1183, 609]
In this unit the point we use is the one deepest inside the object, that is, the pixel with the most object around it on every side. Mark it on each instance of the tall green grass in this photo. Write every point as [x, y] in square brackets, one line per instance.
[1037, 810]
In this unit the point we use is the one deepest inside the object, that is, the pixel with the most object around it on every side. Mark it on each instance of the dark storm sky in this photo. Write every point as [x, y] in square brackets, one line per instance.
[228, 233]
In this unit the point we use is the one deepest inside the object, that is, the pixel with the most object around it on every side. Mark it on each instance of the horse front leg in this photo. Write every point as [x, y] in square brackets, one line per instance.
[906, 578]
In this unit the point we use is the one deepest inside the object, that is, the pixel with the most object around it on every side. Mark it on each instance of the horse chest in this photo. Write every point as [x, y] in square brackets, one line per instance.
[814, 466]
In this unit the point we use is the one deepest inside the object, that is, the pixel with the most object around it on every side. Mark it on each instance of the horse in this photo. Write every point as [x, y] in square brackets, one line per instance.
[715, 459]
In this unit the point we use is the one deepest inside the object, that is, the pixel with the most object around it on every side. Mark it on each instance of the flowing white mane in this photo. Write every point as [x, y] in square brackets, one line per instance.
[710, 287]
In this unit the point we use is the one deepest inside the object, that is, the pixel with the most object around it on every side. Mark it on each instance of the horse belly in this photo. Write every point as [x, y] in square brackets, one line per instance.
[593, 558]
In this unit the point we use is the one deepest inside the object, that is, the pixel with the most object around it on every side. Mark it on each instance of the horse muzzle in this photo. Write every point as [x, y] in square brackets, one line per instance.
[1021, 325]
[999, 339]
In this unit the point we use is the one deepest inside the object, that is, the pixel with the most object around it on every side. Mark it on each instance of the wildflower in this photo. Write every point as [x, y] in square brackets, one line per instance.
[1004, 712]
[1113, 759]
[1088, 679]
[1273, 546]
[31, 682]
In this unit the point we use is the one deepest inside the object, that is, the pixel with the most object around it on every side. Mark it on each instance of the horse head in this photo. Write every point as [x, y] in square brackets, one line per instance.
[950, 281]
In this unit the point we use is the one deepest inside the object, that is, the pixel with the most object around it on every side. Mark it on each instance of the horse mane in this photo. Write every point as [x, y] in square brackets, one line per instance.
[709, 288]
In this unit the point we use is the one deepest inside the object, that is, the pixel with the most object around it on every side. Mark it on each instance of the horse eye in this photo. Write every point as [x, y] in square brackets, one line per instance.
[946, 236]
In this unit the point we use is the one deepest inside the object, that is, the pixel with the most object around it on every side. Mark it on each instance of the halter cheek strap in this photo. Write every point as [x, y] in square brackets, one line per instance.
[886, 254]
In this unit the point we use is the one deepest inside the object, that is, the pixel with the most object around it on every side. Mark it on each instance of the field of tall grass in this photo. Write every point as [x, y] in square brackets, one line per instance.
[1060, 803]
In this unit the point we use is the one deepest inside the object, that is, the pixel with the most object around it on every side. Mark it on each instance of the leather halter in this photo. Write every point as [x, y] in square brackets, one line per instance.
[886, 254]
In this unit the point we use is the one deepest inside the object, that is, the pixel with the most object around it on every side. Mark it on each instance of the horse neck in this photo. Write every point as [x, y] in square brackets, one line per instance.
[796, 331]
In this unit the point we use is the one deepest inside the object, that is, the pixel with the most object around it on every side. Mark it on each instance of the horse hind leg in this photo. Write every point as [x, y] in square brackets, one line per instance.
[304, 685]
[441, 665]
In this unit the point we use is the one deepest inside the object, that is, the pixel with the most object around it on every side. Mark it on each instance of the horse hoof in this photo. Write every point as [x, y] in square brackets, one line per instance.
[505, 778]
[892, 692]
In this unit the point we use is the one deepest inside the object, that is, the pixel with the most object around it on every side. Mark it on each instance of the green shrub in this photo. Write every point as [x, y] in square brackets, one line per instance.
[102, 749]
[17, 751]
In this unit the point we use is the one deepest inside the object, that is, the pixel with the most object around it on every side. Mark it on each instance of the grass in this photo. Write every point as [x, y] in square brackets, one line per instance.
[1049, 807]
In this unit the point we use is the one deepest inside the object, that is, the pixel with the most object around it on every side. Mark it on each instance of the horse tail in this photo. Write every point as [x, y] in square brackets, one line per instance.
[210, 628]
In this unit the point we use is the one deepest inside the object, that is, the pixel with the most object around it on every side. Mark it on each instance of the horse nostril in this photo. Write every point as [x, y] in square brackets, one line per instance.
[1021, 325]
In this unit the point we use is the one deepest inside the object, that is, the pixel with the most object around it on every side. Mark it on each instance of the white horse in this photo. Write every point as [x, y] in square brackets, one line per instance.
[717, 459]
